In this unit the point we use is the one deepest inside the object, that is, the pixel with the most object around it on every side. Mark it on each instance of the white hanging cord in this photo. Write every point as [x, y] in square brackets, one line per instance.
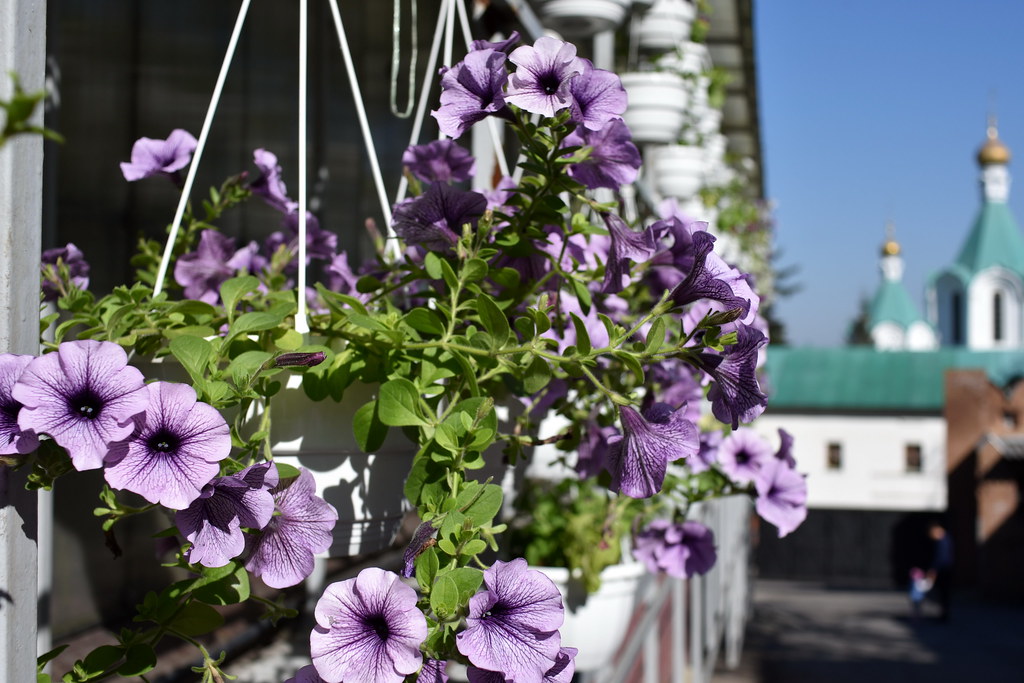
[301, 316]
[378, 179]
[428, 78]
[200, 146]
[396, 52]
[492, 126]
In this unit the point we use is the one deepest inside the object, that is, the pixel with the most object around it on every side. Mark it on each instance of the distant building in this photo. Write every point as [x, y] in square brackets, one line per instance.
[881, 435]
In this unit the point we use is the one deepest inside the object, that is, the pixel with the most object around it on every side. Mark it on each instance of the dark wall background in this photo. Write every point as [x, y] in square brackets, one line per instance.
[855, 548]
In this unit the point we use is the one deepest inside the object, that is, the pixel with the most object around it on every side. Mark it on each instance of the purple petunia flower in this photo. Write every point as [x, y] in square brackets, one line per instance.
[560, 672]
[213, 522]
[434, 220]
[710, 278]
[477, 675]
[679, 550]
[500, 46]
[214, 261]
[175, 448]
[627, 245]
[283, 554]
[592, 453]
[541, 83]
[613, 161]
[785, 452]
[13, 439]
[471, 91]
[678, 386]
[369, 630]
[320, 243]
[742, 454]
[159, 157]
[306, 674]
[269, 185]
[433, 671]
[708, 453]
[639, 458]
[78, 269]
[781, 495]
[598, 97]
[512, 626]
[84, 396]
[439, 161]
[424, 532]
[735, 396]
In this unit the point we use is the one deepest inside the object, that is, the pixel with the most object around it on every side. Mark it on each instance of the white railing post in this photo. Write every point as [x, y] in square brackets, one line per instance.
[22, 51]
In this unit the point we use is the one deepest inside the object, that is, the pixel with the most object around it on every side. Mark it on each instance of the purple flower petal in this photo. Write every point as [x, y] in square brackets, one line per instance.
[439, 161]
[679, 550]
[598, 97]
[214, 261]
[368, 629]
[541, 83]
[781, 495]
[84, 396]
[736, 396]
[306, 674]
[433, 671]
[614, 160]
[434, 220]
[471, 91]
[175, 448]
[627, 245]
[213, 522]
[159, 157]
[742, 454]
[13, 439]
[283, 554]
[269, 185]
[512, 626]
[78, 269]
[639, 459]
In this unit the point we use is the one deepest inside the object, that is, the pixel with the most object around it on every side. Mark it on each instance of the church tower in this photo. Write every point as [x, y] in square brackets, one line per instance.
[894, 322]
[978, 301]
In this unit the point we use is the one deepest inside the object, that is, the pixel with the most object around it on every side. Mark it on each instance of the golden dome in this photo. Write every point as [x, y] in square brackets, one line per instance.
[891, 248]
[993, 151]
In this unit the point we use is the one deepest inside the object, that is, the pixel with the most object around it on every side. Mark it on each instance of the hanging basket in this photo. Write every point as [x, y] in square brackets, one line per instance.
[679, 170]
[583, 18]
[666, 25]
[657, 105]
[367, 489]
[596, 624]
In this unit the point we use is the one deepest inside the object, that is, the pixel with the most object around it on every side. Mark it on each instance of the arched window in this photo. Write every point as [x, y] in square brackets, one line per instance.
[956, 318]
[997, 316]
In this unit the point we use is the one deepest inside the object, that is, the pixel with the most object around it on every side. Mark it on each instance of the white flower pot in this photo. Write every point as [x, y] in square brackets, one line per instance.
[657, 105]
[597, 626]
[365, 488]
[582, 18]
[709, 121]
[665, 25]
[678, 170]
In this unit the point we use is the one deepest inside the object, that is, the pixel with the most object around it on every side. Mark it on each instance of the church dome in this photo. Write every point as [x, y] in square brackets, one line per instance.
[891, 248]
[993, 151]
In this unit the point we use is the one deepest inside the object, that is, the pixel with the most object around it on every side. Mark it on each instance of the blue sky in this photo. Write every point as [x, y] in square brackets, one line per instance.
[873, 111]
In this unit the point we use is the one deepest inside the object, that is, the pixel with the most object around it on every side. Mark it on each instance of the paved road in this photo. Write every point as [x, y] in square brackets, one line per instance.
[805, 633]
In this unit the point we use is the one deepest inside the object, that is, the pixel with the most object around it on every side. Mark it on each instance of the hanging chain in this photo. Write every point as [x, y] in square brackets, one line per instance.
[396, 50]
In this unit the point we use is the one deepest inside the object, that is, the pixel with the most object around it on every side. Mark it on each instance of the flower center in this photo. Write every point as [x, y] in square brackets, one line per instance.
[742, 458]
[163, 441]
[549, 83]
[86, 404]
[379, 625]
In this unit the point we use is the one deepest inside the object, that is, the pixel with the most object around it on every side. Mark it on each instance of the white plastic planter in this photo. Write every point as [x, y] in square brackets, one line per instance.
[582, 18]
[365, 488]
[678, 170]
[657, 105]
[666, 25]
[709, 122]
[597, 625]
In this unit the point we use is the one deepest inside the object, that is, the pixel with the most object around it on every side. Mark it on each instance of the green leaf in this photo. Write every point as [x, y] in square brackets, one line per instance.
[655, 336]
[475, 269]
[493, 320]
[582, 336]
[286, 471]
[101, 659]
[424, 320]
[538, 375]
[369, 431]
[432, 264]
[227, 590]
[398, 404]
[444, 596]
[448, 275]
[195, 619]
[253, 322]
[480, 512]
[139, 659]
[630, 361]
[47, 657]
[473, 547]
[467, 580]
[427, 565]
[447, 546]
[194, 355]
[232, 290]
[245, 366]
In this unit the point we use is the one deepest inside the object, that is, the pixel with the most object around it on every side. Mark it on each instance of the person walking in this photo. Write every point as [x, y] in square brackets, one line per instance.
[940, 573]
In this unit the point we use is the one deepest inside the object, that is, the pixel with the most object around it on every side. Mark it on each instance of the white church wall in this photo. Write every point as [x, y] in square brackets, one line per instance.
[981, 309]
[872, 473]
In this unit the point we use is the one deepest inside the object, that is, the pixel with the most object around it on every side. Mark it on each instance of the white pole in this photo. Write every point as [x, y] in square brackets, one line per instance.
[22, 51]
[301, 318]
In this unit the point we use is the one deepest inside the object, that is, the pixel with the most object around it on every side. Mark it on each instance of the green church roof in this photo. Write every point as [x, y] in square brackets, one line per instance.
[994, 240]
[893, 304]
[861, 379]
